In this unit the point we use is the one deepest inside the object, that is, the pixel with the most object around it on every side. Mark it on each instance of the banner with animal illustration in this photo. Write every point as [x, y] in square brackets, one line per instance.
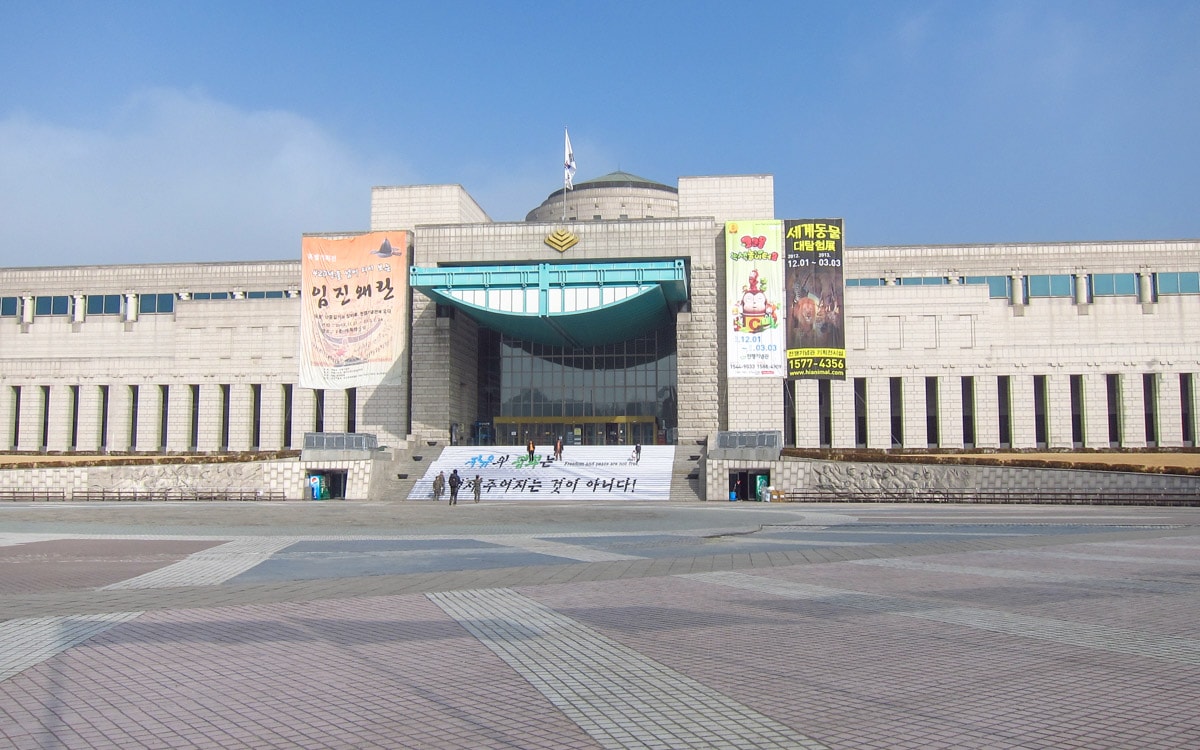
[755, 293]
[355, 290]
[816, 331]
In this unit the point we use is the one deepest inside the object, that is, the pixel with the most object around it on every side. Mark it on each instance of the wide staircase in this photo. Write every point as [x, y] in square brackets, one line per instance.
[585, 473]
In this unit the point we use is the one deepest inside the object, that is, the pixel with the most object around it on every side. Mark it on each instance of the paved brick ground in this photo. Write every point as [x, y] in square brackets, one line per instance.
[676, 626]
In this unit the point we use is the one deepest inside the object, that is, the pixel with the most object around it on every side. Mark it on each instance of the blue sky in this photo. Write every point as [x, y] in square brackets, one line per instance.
[185, 131]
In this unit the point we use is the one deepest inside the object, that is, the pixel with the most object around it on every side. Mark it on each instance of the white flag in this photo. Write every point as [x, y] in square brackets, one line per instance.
[568, 163]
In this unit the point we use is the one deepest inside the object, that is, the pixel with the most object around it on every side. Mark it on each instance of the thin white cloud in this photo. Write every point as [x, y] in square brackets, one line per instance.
[176, 176]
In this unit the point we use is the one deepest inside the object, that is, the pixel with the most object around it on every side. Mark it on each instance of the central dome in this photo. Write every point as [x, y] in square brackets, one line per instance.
[614, 196]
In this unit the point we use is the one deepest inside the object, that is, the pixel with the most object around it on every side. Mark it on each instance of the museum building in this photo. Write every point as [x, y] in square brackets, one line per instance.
[618, 312]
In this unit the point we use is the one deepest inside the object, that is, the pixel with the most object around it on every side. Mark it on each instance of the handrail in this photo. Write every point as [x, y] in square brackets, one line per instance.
[1003, 497]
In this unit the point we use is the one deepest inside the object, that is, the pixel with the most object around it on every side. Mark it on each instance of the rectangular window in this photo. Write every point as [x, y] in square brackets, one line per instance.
[164, 394]
[56, 306]
[999, 287]
[74, 443]
[860, 412]
[319, 411]
[1187, 282]
[288, 393]
[932, 437]
[1114, 285]
[104, 304]
[103, 418]
[1004, 410]
[896, 398]
[825, 413]
[1150, 404]
[9, 307]
[133, 417]
[149, 304]
[194, 427]
[789, 412]
[256, 416]
[1185, 408]
[1041, 423]
[968, 411]
[224, 417]
[1112, 384]
[864, 282]
[45, 439]
[1077, 411]
[1056, 285]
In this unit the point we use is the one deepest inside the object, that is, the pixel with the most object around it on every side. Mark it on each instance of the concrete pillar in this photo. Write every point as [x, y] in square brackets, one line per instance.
[79, 308]
[879, 416]
[59, 420]
[88, 436]
[915, 429]
[27, 309]
[1133, 411]
[120, 417]
[211, 411]
[950, 411]
[1170, 412]
[149, 418]
[1145, 288]
[179, 425]
[32, 411]
[270, 419]
[987, 413]
[241, 416]
[7, 416]
[304, 404]
[808, 413]
[1058, 411]
[131, 308]
[842, 394]
[1024, 422]
[1095, 410]
[335, 411]
[1081, 289]
[1017, 292]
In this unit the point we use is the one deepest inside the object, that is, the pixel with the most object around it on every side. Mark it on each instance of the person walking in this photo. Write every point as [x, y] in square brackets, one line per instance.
[439, 486]
[637, 453]
[530, 447]
[455, 482]
[477, 487]
[558, 445]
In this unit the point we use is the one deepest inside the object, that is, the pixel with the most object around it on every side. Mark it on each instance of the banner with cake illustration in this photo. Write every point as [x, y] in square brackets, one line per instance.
[755, 293]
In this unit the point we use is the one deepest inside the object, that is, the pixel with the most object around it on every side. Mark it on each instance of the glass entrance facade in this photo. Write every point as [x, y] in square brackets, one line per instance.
[615, 394]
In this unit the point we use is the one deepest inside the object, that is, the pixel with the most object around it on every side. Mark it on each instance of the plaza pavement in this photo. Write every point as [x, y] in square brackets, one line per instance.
[707, 625]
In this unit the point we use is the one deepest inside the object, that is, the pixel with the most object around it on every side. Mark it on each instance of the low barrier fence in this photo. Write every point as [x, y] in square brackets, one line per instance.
[1001, 497]
[23, 495]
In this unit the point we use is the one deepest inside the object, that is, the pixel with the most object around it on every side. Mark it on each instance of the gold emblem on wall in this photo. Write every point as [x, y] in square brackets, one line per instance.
[561, 240]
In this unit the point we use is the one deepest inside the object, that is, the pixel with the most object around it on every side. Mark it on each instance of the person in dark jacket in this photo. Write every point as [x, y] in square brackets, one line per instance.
[455, 481]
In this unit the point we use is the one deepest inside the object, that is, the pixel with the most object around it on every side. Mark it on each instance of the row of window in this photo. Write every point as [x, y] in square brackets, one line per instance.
[1059, 285]
[114, 304]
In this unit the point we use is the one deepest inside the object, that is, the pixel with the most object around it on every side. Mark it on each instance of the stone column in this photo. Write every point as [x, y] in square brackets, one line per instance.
[32, 413]
[59, 418]
[1058, 411]
[1095, 410]
[88, 438]
[987, 413]
[304, 407]
[335, 410]
[1133, 411]
[1024, 422]
[241, 416]
[842, 394]
[879, 415]
[179, 424]
[915, 429]
[1170, 411]
[209, 415]
[27, 310]
[950, 411]
[7, 416]
[120, 417]
[808, 414]
[149, 418]
[270, 419]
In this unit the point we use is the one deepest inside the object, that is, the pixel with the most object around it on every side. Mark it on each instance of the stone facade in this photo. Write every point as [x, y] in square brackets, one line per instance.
[1024, 346]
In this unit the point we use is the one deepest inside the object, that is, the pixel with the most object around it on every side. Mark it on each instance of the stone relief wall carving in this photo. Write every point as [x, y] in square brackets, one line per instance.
[861, 477]
[151, 477]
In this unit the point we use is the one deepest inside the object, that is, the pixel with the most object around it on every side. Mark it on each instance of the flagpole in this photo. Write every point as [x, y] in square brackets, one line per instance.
[566, 138]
